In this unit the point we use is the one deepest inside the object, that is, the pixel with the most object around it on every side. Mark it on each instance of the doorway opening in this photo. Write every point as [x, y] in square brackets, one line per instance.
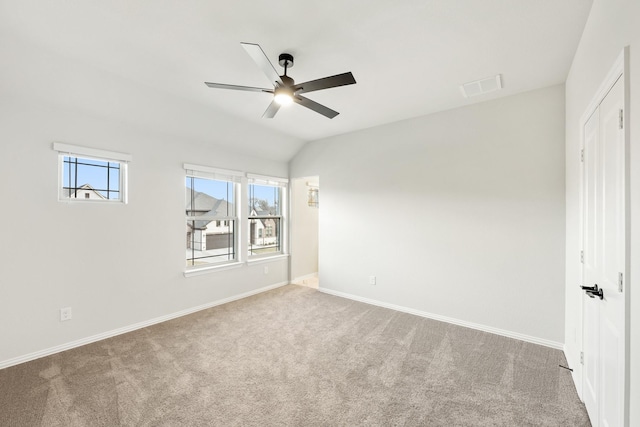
[305, 207]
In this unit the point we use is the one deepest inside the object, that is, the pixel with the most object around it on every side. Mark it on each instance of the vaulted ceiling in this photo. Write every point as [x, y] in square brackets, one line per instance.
[409, 57]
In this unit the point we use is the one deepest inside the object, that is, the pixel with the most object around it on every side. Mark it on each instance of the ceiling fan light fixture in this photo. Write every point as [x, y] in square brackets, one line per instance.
[283, 96]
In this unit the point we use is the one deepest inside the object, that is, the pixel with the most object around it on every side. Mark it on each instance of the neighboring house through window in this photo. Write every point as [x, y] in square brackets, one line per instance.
[89, 174]
[211, 216]
[267, 206]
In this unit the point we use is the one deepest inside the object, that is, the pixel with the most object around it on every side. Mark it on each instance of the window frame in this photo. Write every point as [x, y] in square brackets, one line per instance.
[93, 154]
[283, 185]
[230, 176]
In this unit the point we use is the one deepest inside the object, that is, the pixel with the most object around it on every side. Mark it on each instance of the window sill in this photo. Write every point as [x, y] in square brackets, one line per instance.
[92, 201]
[261, 260]
[211, 269]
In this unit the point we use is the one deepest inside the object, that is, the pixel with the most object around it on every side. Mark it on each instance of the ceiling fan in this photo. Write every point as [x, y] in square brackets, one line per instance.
[285, 90]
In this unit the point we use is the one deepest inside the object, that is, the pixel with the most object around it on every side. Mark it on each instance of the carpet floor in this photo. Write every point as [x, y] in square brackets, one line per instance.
[295, 357]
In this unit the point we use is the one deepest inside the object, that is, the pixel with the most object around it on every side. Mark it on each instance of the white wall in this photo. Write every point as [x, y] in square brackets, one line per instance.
[115, 265]
[458, 214]
[612, 25]
[304, 230]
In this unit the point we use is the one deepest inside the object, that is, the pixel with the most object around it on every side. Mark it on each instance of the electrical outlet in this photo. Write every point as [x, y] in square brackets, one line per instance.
[65, 314]
[266, 269]
[372, 280]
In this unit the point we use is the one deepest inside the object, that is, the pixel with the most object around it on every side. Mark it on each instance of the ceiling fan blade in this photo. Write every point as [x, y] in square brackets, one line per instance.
[312, 105]
[260, 58]
[271, 110]
[325, 83]
[235, 87]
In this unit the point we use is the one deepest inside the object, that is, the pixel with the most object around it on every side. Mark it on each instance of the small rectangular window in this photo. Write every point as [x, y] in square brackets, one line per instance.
[90, 179]
[267, 205]
[87, 174]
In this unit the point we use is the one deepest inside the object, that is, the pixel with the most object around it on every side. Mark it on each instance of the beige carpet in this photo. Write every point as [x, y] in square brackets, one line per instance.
[295, 357]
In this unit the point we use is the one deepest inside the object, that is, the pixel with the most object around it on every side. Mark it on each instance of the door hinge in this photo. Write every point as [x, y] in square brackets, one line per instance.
[582, 155]
[621, 116]
[620, 281]
[582, 357]
[582, 257]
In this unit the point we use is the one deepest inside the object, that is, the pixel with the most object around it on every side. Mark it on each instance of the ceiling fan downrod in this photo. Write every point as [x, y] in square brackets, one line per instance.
[285, 60]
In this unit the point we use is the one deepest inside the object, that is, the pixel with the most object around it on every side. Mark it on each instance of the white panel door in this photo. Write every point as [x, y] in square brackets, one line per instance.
[604, 262]
[590, 271]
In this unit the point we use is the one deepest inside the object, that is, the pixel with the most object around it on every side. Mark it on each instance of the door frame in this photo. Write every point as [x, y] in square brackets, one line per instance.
[294, 223]
[619, 70]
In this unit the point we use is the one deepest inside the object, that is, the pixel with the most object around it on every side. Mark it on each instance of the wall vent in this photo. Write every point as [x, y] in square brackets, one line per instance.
[482, 86]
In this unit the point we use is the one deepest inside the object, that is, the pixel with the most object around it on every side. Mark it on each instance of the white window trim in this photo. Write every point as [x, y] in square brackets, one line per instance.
[268, 180]
[91, 152]
[199, 271]
[262, 259]
[236, 177]
[88, 153]
[207, 172]
[283, 183]
[243, 180]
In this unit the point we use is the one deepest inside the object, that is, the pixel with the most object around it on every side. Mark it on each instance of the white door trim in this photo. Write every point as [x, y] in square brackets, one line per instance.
[619, 69]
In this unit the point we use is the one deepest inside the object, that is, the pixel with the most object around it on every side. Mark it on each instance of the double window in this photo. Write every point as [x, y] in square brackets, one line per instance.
[211, 210]
[88, 174]
[218, 231]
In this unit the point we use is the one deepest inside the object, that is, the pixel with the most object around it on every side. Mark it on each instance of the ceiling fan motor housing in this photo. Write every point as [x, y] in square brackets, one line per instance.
[288, 81]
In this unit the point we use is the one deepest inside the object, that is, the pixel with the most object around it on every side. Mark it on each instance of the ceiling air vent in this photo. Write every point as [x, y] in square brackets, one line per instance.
[482, 86]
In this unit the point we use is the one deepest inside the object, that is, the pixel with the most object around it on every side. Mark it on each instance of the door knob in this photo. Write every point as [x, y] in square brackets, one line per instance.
[593, 291]
[598, 294]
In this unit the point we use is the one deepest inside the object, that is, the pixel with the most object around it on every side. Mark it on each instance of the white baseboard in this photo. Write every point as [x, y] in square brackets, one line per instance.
[484, 328]
[88, 340]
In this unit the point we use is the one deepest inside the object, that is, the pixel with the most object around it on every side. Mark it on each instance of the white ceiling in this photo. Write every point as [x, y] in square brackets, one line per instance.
[408, 56]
